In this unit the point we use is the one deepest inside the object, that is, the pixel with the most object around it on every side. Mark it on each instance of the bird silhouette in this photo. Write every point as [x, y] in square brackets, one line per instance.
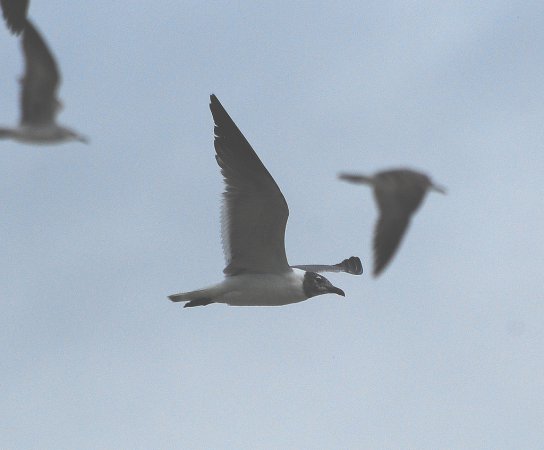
[399, 194]
[39, 102]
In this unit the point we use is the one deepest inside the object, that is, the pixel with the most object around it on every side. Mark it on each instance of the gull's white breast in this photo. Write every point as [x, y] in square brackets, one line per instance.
[262, 289]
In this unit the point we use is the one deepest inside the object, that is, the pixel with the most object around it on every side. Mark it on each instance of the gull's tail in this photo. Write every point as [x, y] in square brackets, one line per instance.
[193, 298]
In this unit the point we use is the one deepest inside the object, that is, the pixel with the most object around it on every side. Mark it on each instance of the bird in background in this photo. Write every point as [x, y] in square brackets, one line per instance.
[254, 217]
[39, 102]
[399, 194]
[14, 11]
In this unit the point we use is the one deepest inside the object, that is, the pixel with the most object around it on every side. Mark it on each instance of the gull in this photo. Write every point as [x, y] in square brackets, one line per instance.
[14, 12]
[399, 194]
[253, 220]
[39, 103]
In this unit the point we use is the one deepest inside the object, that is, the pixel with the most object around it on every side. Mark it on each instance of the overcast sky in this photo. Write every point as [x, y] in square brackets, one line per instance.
[444, 350]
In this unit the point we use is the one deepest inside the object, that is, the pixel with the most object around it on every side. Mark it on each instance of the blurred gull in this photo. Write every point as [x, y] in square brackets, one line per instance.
[254, 217]
[14, 12]
[39, 103]
[398, 194]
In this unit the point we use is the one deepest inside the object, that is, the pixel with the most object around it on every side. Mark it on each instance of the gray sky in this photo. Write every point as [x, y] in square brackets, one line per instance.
[445, 350]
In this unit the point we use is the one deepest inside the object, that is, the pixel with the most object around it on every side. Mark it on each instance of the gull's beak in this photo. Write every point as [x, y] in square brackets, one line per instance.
[334, 290]
[83, 139]
[437, 188]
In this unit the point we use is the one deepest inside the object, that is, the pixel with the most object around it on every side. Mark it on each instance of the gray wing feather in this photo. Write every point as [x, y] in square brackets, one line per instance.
[255, 213]
[40, 81]
[387, 236]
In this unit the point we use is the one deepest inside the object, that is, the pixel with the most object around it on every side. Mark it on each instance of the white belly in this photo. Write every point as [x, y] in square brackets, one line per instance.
[262, 290]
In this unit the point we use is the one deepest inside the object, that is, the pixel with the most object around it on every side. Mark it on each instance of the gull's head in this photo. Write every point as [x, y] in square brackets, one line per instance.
[315, 284]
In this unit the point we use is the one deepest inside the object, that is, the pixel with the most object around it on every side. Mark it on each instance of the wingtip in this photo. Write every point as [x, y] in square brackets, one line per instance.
[215, 104]
[378, 269]
[352, 265]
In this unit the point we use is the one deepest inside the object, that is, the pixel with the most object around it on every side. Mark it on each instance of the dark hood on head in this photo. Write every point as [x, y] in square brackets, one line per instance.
[315, 284]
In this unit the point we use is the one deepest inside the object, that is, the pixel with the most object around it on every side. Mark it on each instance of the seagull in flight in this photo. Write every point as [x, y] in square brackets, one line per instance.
[14, 12]
[399, 194]
[253, 220]
[39, 103]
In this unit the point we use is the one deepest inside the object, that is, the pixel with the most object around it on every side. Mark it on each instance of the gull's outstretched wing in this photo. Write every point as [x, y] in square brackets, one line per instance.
[387, 236]
[351, 265]
[254, 213]
[40, 82]
[14, 12]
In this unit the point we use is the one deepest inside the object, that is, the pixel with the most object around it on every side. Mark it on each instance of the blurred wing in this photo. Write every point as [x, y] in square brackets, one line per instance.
[351, 265]
[254, 212]
[14, 12]
[39, 102]
[387, 236]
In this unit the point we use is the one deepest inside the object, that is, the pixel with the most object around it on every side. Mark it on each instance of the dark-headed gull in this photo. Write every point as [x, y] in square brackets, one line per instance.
[254, 217]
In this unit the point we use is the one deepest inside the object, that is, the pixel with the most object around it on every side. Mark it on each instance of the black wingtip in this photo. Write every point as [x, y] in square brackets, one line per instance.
[217, 109]
[352, 265]
[379, 267]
